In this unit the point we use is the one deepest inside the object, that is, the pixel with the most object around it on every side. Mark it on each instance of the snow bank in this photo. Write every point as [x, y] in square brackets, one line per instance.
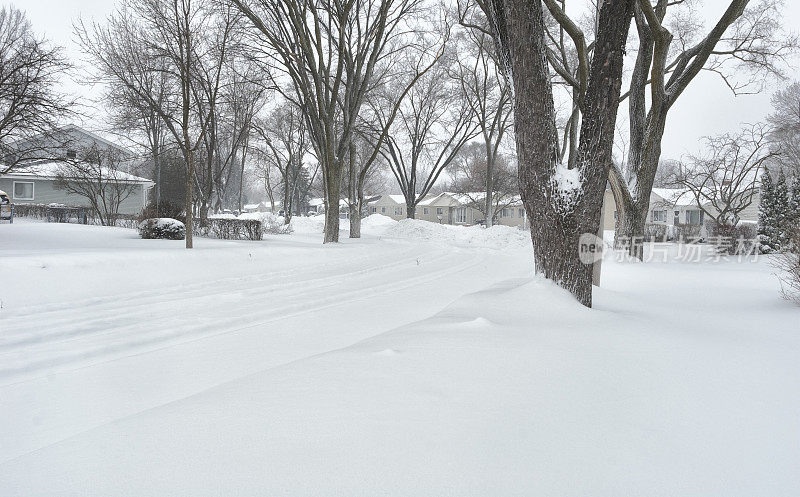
[496, 237]
[311, 224]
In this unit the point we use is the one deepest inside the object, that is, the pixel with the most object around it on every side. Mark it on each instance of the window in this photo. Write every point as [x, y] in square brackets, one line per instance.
[659, 216]
[506, 213]
[383, 210]
[676, 219]
[425, 210]
[23, 190]
[521, 212]
[615, 215]
[439, 211]
[694, 216]
[374, 210]
[398, 211]
[461, 215]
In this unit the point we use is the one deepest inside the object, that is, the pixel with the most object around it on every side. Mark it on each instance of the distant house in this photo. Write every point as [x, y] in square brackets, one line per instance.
[36, 182]
[673, 207]
[259, 207]
[451, 208]
[393, 206]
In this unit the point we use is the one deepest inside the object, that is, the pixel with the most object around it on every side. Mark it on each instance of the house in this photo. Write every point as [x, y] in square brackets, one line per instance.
[259, 207]
[393, 206]
[35, 182]
[673, 207]
[451, 208]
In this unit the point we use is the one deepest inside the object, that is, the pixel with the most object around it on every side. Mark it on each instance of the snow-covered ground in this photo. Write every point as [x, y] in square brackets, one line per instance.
[419, 360]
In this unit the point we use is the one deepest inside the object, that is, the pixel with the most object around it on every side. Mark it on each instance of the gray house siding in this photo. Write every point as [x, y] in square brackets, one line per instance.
[44, 192]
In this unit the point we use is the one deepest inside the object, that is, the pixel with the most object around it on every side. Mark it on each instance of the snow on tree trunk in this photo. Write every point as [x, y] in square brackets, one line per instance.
[355, 219]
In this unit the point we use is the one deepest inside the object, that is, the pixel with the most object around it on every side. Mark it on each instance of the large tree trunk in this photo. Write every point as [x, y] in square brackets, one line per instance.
[287, 218]
[633, 206]
[411, 210]
[353, 193]
[355, 218]
[189, 203]
[561, 212]
[489, 207]
[333, 184]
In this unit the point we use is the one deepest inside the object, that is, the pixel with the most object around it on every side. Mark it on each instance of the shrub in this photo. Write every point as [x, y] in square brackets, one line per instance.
[732, 240]
[163, 228]
[655, 232]
[788, 266]
[230, 229]
[688, 233]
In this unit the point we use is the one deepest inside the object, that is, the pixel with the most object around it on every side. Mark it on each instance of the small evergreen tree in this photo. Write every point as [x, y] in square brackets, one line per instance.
[793, 224]
[768, 226]
[783, 213]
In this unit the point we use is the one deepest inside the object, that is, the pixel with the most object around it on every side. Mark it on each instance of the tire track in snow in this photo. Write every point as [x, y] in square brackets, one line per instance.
[128, 337]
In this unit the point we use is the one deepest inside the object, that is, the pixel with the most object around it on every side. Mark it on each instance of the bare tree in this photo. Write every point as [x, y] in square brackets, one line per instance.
[146, 36]
[127, 111]
[286, 145]
[95, 176]
[746, 37]
[725, 179]
[433, 123]
[469, 172]
[562, 203]
[30, 105]
[329, 51]
[785, 123]
[488, 95]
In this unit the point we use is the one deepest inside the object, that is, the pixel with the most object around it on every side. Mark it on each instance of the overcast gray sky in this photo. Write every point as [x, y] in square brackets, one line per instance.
[707, 107]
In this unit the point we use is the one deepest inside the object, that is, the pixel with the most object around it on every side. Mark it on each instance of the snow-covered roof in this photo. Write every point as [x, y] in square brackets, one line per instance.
[676, 196]
[50, 170]
[429, 200]
[316, 201]
[474, 197]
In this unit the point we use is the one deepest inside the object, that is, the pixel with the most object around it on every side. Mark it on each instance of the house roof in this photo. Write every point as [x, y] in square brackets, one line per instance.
[676, 196]
[50, 170]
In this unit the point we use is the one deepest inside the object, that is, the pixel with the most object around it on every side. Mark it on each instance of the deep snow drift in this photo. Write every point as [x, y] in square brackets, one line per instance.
[421, 360]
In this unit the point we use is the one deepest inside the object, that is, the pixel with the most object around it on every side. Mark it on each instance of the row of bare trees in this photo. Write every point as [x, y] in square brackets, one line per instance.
[31, 103]
[408, 85]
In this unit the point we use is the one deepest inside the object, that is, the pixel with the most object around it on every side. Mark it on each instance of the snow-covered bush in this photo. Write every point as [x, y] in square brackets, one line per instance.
[270, 223]
[162, 227]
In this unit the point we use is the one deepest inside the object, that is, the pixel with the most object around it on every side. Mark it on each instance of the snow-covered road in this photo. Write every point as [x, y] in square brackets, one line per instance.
[100, 353]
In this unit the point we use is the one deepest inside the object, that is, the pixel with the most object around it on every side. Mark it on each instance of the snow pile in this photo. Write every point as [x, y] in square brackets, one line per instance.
[311, 224]
[377, 223]
[496, 237]
[270, 223]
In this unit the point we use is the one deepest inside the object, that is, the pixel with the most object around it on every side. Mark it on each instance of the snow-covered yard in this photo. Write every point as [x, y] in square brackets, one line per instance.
[420, 360]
